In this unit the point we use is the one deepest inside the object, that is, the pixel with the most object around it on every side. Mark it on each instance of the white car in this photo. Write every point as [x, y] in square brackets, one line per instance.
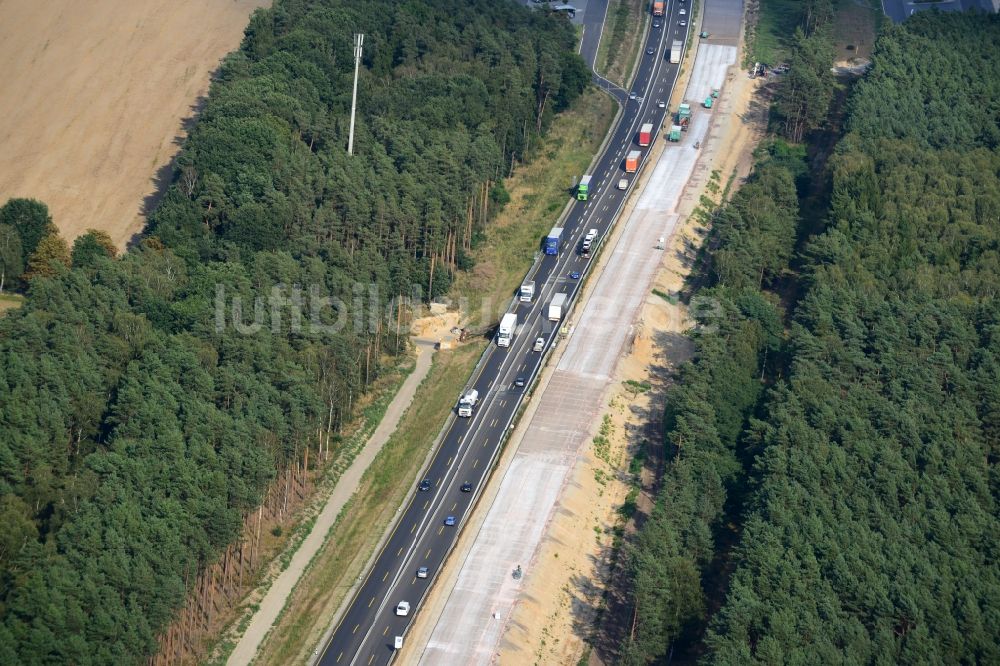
[683, 11]
[623, 184]
[661, 104]
[539, 344]
[403, 608]
[631, 95]
[422, 572]
[682, 23]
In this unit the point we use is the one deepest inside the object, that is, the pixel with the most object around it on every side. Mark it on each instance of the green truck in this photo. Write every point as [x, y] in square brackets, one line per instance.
[684, 115]
[583, 189]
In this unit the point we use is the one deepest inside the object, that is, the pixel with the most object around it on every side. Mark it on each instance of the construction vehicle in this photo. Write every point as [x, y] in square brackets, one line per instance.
[505, 333]
[684, 116]
[645, 134]
[556, 306]
[583, 189]
[675, 51]
[467, 402]
[708, 102]
[553, 242]
[675, 133]
[527, 292]
[632, 161]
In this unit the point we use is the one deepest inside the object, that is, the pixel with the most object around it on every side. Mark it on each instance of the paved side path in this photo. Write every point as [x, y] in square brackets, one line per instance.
[277, 595]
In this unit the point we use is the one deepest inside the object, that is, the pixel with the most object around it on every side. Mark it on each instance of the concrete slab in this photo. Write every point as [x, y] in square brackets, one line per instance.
[709, 74]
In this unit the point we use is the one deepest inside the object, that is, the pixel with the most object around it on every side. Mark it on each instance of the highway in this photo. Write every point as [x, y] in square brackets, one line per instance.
[367, 628]
[900, 10]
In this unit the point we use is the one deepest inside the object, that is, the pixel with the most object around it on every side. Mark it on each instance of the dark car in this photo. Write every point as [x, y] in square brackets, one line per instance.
[425, 485]
[466, 487]
[650, 51]
[449, 521]
[575, 275]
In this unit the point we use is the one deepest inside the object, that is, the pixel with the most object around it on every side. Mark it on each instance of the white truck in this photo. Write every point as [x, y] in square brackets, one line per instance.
[527, 291]
[506, 331]
[467, 402]
[675, 51]
[556, 306]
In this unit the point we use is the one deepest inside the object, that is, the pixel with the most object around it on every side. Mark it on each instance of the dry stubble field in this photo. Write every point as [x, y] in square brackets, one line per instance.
[94, 97]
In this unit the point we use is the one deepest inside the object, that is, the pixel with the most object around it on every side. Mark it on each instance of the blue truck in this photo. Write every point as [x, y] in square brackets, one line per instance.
[553, 241]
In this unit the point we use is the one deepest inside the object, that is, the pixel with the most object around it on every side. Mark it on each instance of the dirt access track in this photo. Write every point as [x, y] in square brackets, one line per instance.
[95, 96]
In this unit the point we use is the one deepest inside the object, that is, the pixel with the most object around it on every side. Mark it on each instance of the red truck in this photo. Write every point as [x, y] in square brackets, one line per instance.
[645, 134]
[658, 7]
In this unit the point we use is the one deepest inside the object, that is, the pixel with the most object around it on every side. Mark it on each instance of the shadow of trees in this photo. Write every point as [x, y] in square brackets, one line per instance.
[602, 613]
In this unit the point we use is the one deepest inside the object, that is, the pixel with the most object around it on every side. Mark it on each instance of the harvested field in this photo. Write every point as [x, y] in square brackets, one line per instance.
[96, 96]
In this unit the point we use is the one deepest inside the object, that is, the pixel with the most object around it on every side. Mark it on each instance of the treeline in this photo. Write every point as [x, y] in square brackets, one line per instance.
[739, 332]
[869, 467]
[875, 530]
[139, 417]
[804, 93]
[30, 244]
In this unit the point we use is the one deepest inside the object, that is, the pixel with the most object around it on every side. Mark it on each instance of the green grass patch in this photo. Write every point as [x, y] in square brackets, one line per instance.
[635, 465]
[665, 296]
[631, 503]
[622, 39]
[854, 28]
[539, 191]
[10, 301]
[776, 24]
[635, 388]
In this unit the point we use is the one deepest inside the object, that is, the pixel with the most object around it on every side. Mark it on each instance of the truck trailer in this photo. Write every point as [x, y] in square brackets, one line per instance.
[556, 306]
[658, 7]
[553, 242]
[675, 51]
[675, 133]
[583, 189]
[632, 161]
[645, 134]
[467, 402]
[527, 292]
[505, 333]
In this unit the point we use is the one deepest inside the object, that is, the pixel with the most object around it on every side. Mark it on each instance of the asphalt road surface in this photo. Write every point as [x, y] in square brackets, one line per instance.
[900, 10]
[366, 631]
